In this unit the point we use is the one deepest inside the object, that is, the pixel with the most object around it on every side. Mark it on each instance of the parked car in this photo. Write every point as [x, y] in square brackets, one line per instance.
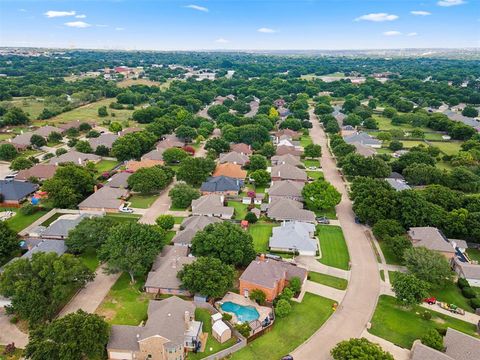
[126, 210]
[451, 307]
[430, 300]
[322, 220]
[357, 220]
[287, 357]
[312, 168]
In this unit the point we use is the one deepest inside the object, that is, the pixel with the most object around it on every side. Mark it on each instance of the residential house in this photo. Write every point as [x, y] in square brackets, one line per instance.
[286, 189]
[212, 205]
[289, 210]
[190, 226]
[222, 185]
[467, 271]
[60, 228]
[364, 139]
[129, 130]
[106, 199]
[75, 157]
[230, 170]
[286, 141]
[284, 150]
[162, 279]
[398, 185]
[234, 158]
[270, 276]
[364, 150]
[106, 140]
[431, 238]
[22, 141]
[241, 148]
[296, 237]
[287, 134]
[279, 102]
[45, 131]
[170, 141]
[74, 124]
[119, 180]
[286, 159]
[14, 192]
[288, 172]
[41, 172]
[168, 334]
[156, 154]
[134, 165]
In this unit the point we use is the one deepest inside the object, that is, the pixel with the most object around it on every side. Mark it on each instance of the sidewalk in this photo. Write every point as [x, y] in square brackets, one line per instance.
[323, 290]
[397, 352]
[312, 264]
[468, 317]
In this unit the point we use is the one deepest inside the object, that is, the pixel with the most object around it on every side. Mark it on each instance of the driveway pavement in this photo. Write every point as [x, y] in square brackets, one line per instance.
[358, 305]
[312, 264]
[10, 333]
[159, 207]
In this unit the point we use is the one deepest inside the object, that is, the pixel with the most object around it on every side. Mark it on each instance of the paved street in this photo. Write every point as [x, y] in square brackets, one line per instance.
[361, 296]
[10, 333]
[159, 207]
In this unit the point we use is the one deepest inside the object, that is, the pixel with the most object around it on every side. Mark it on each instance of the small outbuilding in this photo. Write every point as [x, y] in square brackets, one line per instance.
[220, 331]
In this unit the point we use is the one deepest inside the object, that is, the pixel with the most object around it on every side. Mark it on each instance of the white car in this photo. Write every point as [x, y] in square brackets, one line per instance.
[126, 210]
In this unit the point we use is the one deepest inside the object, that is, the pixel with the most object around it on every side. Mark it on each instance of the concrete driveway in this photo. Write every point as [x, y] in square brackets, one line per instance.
[10, 333]
[159, 207]
[361, 297]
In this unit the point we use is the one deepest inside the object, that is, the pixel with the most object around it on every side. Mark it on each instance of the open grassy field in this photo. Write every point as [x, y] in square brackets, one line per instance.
[334, 249]
[450, 147]
[32, 106]
[129, 82]
[142, 201]
[240, 209]
[402, 326]
[288, 333]
[261, 233]
[328, 280]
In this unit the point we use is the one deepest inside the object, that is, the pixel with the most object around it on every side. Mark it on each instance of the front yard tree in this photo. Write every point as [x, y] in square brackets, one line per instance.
[166, 222]
[257, 162]
[83, 146]
[225, 241]
[132, 247]
[428, 265]
[207, 276]
[21, 163]
[7, 152]
[359, 349]
[320, 195]
[313, 151]
[8, 242]
[217, 145]
[195, 171]
[283, 308]
[186, 133]
[89, 234]
[433, 339]
[409, 289]
[76, 336]
[261, 177]
[37, 287]
[38, 141]
[150, 180]
[182, 195]
[174, 155]
[268, 150]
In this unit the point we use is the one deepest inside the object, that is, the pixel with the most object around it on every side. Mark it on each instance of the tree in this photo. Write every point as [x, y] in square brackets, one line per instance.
[84, 127]
[258, 296]
[217, 145]
[207, 276]
[428, 265]
[38, 141]
[92, 134]
[186, 133]
[174, 155]
[102, 111]
[257, 162]
[55, 137]
[313, 151]
[268, 150]
[295, 284]
[293, 124]
[132, 247]
[323, 109]
[150, 180]
[102, 150]
[389, 112]
[90, 233]
[8, 242]
[15, 116]
[395, 145]
[359, 349]
[373, 166]
[251, 217]
[283, 308]
[225, 241]
[409, 289]
[387, 228]
[38, 286]
[470, 111]
[21, 163]
[320, 195]
[166, 222]
[7, 152]
[133, 145]
[194, 171]
[433, 339]
[76, 336]
[182, 195]
[261, 177]
[83, 146]
[115, 127]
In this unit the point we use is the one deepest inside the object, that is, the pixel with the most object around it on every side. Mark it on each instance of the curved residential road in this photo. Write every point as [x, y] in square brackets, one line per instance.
[360, 300]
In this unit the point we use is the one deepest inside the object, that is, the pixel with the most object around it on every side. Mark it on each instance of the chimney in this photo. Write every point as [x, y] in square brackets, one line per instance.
[95, 188]
[222, 199]
[187, 320]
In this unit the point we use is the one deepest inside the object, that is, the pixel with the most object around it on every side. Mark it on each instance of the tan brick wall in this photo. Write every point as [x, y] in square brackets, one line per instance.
[270, 293]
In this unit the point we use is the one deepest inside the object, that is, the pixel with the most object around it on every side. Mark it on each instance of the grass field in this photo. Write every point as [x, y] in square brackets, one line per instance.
[474, 254]
[305, 140]
[89, 259]
[390, 256]
[288, 333]
[129, 82]
[311, 162]
[334, 248]
[402, 326]
[261, 234]
[105, 165]
[240, 209]
[19, 221]
[315, 175]
[448, 147]
[33, 107]
[328, 280]
[142, 201]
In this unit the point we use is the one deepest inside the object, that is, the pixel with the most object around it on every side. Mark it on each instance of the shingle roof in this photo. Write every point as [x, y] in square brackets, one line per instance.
[431, 238]
[423, 352]
[283, 150]
[286, 159]
[289, 132]
[134, 165]
[211, 205]
[233, 157]
[288, 172]
[294, 235]
[156, 154]
[362, 138]
[119, 180]
[230, 170]
[470, 271]
[221, 183]
[461, 346]
[40, 171]
[398, 185]
[241, 148]
[106, 140]
[47, 246]
[65, 223]
[268, 272]
[75, 157]
[287, 188]
[45, 131]
[169, 142]
[124, 337]
[73, 124]
[22, 139]
[286, 209]
[14, 190]
[191, 225]
[104, 198]
[364, 150]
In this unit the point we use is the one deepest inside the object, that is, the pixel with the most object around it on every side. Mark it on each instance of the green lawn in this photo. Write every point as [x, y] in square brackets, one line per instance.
[261, 233]
[32, 107]
[448, 147]
[328, 280]
[334, 248]
[474, 254]
[328, 213]
[105, 165]
[178, 219]
[382, 275]
[170, 236]
[452, 295]
[240, 209]
[89, 259]
[315, 175]
[288, 333]
[142, 201]
[305, 140]
[311, 162]
[402, 326]
[203, 315]
[125, 303]
[390, 256]
[18, 222]
[121, 217]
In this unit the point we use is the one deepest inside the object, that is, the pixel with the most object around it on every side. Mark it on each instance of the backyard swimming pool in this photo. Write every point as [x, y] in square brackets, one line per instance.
[243, 313]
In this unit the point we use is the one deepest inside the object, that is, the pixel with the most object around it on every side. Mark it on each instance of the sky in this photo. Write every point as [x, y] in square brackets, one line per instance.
[240, 24]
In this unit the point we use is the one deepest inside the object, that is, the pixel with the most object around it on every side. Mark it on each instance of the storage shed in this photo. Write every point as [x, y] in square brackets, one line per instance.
[221, 332]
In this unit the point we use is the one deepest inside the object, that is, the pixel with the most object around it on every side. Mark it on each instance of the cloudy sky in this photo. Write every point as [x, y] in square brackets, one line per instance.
[240, 24]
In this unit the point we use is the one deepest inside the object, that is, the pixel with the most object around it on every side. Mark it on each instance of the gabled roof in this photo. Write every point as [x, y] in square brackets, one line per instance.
[191, 226]
[362, 138]
[106, 140]
[283, 150]
[287, 188]
[14, 190]
[73, 124]
[233, 157]
[22, 139]
[288, 172]
[424, 352]
[289, 132]
[45, 131]
[470, 271]
[294, 235]
[75, 157]
[134, 165]
[286, 209]
[286, 159]
[364, 150]
[431, 238]
[461, 346]
[398, 185]
[169, 142]
[39, 171]
[221, 183]
[230, 170]
[241, 148]
[65, 223]
[211, 205]
[156, 154]
[105, 198]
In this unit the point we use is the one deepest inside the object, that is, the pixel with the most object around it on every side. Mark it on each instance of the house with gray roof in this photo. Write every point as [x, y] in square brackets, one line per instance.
[398, 185]
[364, 139]
[364, 150]
[75, 157]
[155, 154]
[294, 237]
[106, 140]
[15, 192]
[45, 131]
[288, 172]
[431, 238]
[283, 150]
[41, 172]
[119, 180]
[212, 205]
[286, 159]
[284, 209]
[233, 157]
[286, 189]
[168, 334]
[106, 199]
[190, 226]
[467, 271]
[170, 141]
[222, 185]
[22, 141]
[60, 228]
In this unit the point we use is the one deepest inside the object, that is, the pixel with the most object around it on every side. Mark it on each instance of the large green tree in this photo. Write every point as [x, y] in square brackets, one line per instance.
[428, 265]
[174, 155]
[320, 195]
[194, 171]
[313, 151]
[7, 152]
[182, 195]
[8, 242]
[409, 289]
[359, 349]
[91, 233]
[150, 180]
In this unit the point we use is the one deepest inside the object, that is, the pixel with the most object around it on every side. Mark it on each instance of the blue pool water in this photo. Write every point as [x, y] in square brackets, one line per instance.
[243, 313]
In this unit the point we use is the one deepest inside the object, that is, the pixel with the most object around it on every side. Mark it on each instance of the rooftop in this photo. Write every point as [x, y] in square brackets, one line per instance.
[431, 238]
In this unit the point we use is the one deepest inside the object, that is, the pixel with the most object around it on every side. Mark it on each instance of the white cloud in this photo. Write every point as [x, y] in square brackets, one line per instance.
[412, 34]
[420, 13]
[266, 30]
[81, 16]
[119, 28]
[392, 33]
[222, 41]
[377, 17]
[54, 14]
[22, 10]
[77, 24]
[448, 3]
[197, 7]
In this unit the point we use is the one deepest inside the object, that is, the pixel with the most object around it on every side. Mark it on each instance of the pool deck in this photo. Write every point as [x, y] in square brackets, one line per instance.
[242, 300]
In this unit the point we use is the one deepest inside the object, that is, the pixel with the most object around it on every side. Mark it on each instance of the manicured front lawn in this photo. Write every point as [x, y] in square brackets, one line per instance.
[305, 140]
[203, 315]
[125, 303]
[328, 280]
[261, 233]
[178, 219]
[402, 325]
[105, 165]
[142, 201]
[311, 162]
[334, 248]
[122, 217]
[328, 213]
[390, 256]
[474, 254]
[315, 175]
[18, 222]
[288, 333]
[89, 259]
[240, 209]
[170, 236]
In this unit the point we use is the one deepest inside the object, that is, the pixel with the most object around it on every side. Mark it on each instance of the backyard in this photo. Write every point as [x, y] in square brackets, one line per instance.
[261, 233]
[333, 247]
[328, 280]
[142, 201]
[402, 326]
[89, 259]
[240, 209]
[123, 217]
[20, 221]
[105, 165]
[288, 333]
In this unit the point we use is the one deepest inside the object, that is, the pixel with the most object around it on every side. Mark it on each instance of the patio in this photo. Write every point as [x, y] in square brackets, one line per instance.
[264, 311]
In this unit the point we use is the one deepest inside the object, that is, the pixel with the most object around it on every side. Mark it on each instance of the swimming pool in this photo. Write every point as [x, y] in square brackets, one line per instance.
[243, 313]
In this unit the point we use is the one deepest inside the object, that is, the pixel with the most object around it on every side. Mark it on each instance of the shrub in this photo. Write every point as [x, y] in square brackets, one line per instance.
[462, 283]
[295, 284]
[251, 218]
[286, 294]
[468, 292]
[226, 316]
[61, 151]
[166, 222]
[28, 209]
[426, 315]
[244, 329]
[475, 303]
[258, 296]
[433, 339]
[283, 308]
